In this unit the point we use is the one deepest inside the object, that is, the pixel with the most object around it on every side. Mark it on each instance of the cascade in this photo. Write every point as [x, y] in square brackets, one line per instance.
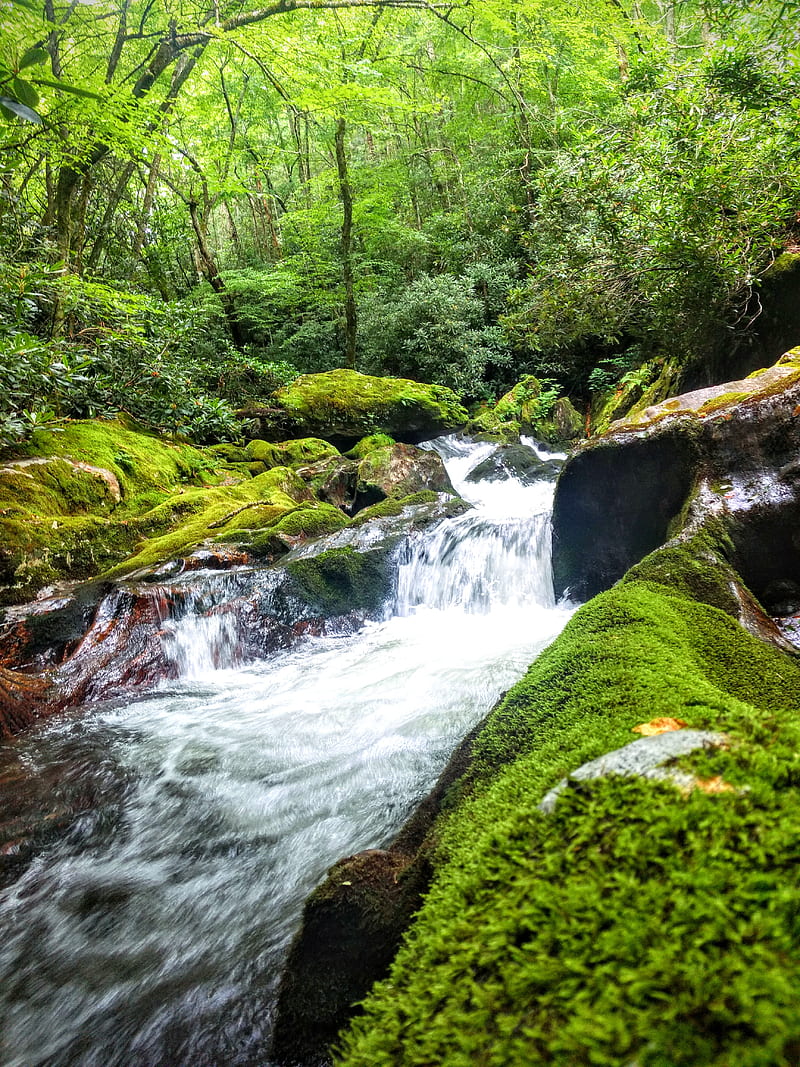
[153, 930]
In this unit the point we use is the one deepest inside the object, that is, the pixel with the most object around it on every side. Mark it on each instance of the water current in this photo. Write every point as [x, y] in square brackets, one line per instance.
[153, 931]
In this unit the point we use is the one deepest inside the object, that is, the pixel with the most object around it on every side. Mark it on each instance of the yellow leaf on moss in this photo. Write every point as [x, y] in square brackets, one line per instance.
[658, 726]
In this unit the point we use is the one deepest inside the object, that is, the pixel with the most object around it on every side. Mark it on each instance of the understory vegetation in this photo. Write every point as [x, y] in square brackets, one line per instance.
[194, 211]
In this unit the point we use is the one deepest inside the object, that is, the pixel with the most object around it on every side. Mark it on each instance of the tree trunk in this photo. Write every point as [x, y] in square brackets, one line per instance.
[208, 268]
[346, 196]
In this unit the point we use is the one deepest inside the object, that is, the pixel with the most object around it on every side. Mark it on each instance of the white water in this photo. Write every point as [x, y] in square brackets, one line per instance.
[153, 934]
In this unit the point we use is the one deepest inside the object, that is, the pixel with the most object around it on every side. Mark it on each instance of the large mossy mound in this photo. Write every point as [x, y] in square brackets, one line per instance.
[70, 501]
[344, 405]
[103, 499]
[636, 924]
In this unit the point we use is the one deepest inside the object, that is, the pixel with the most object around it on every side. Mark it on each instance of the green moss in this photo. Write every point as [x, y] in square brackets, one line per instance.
[199, 515]
[652, 383]
[370, 444]
[724, 400]
[141, 462]
[634, 924]
[393, 506]
[344, 403]
[300, 452]
[520, 403]
[342, 580]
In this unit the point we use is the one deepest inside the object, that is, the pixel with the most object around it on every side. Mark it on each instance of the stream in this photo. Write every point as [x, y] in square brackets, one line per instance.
[153, 930]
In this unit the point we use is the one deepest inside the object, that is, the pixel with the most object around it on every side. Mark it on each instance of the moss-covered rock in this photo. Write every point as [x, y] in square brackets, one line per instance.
[70, 502]
[635, 923]
[345, 406]
[301, 452]
[196, 516]
[528, 409]
[399, 470]
[369, 444]
[342, 580]
[333, 480]
[623, 493]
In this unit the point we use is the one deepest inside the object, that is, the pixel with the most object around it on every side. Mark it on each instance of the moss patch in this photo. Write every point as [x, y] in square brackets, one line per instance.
[346, 404]
[342, 580]
[634, 924]
[300, 452]
[369, 444]
[199, 515]
[71, 503]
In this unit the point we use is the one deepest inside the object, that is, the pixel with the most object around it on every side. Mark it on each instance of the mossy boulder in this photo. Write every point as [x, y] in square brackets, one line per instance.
[344, 406]
[728, 451]
[399, 470]
[70, 501]
[369, 444]
[573, 936]
[296, 453]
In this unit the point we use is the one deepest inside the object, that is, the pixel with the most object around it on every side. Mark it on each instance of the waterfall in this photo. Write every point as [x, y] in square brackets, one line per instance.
[154, 931]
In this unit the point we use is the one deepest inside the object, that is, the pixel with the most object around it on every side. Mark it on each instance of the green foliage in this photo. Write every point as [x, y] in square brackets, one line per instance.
[658, 226]
[436, 330]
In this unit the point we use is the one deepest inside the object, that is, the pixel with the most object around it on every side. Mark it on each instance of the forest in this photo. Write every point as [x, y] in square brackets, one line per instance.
[399, 556]
[198, 202]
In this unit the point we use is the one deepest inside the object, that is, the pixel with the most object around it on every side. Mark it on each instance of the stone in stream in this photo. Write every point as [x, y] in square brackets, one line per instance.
[343, 406]
[515, 461]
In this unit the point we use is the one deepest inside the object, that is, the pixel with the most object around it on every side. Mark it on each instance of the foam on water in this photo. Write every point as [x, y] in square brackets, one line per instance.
[156, 936]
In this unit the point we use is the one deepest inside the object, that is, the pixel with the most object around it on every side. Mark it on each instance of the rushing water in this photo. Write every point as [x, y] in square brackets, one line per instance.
[153, 931]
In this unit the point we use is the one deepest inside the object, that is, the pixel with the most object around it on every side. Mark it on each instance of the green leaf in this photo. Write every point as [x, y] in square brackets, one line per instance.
[14, 107]
[33, 57]
[24, 92]
[73, 89]
[28, 5]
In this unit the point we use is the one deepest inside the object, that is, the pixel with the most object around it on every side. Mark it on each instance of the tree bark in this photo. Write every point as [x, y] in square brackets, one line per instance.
[208, 268]
[346, 196]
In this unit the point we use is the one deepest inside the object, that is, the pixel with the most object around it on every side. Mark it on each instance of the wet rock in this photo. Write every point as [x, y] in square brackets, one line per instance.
[399, 470]
[43, 633]
[644, 758]
[333, 480]
[515, 461]
[625, 493]
[23, 700]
